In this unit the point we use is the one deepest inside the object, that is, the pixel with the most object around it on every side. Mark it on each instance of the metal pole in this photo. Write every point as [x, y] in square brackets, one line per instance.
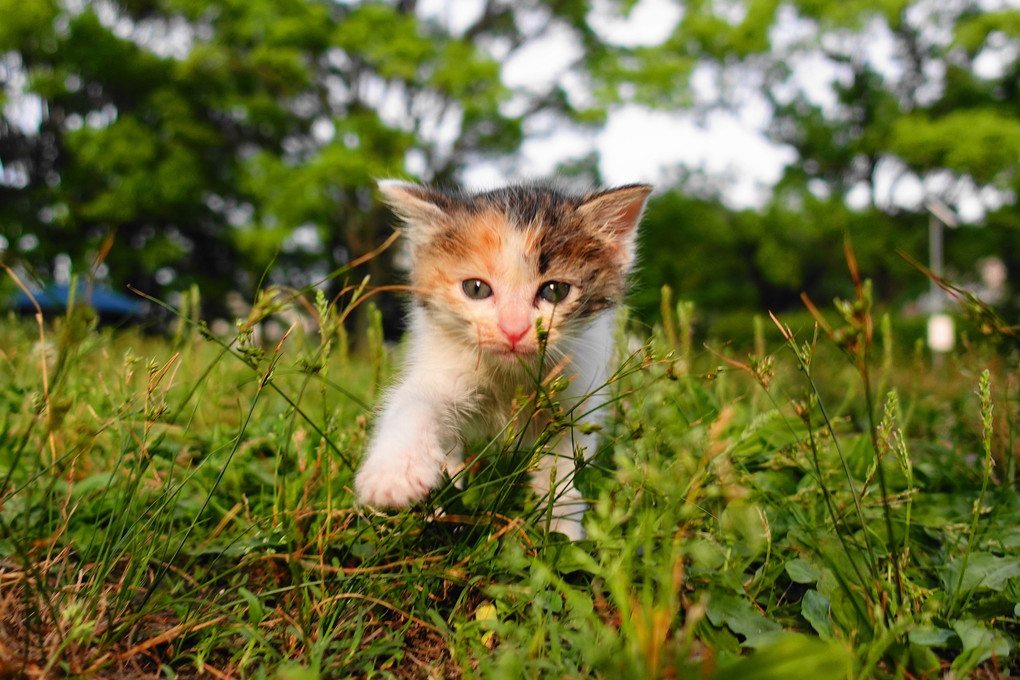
[941, 333]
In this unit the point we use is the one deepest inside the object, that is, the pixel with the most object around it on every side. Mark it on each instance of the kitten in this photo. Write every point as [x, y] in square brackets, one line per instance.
[488, 270]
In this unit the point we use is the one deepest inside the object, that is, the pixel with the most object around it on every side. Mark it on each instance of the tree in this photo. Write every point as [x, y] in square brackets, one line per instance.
[210, 142]
[884, 103]
[215, 141]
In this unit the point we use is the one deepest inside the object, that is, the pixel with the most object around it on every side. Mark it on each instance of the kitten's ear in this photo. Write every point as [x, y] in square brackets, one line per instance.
[617, 213]
[414, 204]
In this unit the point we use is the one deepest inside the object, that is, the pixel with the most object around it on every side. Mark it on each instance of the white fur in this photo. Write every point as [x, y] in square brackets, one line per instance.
[444, 389]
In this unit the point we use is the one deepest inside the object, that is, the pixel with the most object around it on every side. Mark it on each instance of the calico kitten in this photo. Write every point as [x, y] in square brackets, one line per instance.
[488, 270]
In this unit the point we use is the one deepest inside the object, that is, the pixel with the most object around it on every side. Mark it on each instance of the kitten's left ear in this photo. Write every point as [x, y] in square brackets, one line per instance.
[416, 205]
[617, 212]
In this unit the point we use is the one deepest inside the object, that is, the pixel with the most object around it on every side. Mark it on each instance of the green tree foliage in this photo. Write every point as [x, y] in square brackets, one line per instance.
[905, 94]
[199, 136]
[724, 259]
[212, 141]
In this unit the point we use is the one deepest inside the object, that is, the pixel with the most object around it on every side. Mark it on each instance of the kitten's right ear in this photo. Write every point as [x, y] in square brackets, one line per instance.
[414, 204]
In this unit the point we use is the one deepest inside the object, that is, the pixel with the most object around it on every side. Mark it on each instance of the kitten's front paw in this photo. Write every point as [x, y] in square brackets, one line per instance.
[568, 526]
[394, 477]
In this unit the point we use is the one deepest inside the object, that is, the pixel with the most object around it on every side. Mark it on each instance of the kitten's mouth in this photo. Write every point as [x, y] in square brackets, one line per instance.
[511, 352]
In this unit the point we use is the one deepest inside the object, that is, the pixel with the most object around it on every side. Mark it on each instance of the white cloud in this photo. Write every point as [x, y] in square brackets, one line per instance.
[540, 62]
[642, 145]
[650, 22]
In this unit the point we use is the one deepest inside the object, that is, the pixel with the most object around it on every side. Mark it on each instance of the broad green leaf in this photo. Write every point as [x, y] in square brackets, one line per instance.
[802, 571]
[815, 608]
[790, 655]
[979, 644]
[930, 636]
[572, 558]
[740, 616]
[984, 571]
[923, 660]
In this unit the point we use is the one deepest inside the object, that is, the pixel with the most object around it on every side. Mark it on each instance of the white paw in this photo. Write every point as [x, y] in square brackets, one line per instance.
[399, 471]
[568, 526]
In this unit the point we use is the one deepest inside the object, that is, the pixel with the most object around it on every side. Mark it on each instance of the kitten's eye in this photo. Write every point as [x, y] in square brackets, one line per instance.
[554, 291]
[476, 289]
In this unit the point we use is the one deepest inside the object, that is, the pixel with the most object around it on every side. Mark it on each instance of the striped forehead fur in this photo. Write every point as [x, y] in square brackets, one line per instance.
[522, 204]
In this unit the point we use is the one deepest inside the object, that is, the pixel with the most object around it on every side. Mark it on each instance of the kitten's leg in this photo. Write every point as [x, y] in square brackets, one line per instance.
[557, 468]
[584, 400]
[408, 450]
[455, 465]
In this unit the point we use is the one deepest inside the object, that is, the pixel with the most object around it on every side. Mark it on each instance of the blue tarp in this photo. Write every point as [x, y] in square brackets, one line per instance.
[54, 298]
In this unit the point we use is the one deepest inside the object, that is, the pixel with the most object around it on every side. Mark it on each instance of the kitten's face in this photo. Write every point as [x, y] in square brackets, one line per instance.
[492, 269]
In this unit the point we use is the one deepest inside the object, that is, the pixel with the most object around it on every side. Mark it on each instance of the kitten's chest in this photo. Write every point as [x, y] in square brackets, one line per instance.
[505, 406]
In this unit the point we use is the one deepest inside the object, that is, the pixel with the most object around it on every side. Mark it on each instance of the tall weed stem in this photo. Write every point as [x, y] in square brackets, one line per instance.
[985, 398]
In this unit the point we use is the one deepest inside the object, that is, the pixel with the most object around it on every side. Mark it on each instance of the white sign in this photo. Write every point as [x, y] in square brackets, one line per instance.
[941, 333]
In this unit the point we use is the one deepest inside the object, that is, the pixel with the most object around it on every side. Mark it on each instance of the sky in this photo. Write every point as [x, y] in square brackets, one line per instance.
[642, 145]
[637, 144]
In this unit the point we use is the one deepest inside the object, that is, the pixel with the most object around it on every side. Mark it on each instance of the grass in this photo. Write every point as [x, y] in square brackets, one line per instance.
[828, 505]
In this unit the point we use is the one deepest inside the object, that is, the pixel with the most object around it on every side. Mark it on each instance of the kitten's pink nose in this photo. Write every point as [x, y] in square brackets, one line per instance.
[514, 326]
[514, 335]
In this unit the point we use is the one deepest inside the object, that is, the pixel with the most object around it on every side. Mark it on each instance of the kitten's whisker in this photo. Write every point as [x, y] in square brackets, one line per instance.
[478, 345]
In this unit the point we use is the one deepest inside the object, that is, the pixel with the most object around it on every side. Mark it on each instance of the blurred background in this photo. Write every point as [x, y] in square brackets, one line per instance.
[233, 144]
